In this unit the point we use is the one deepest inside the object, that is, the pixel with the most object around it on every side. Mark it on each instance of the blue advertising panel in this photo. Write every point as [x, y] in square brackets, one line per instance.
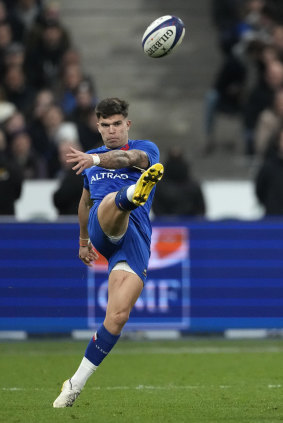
[203, 276]
[42, 281]
[237, 275]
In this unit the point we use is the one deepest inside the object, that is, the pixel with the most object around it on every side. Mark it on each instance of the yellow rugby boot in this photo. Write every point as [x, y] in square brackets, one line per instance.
[146, 182]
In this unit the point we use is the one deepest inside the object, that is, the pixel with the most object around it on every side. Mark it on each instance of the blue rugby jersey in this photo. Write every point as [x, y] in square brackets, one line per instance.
[100, 182]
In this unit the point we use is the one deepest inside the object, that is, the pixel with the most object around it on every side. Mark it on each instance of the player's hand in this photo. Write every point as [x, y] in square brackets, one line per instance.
[88, 255]
[83, 160]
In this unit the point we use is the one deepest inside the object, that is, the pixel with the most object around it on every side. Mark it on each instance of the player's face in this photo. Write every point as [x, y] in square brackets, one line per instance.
[114, 130]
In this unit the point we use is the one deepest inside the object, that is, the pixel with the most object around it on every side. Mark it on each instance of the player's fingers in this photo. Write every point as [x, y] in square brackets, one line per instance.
[92, 258]
[72, 160]
[82, 166]
[94, 252]
[95, 255]
[74, 150]
[86, 261]
[74, 153]
[77, 166]
[79, 171]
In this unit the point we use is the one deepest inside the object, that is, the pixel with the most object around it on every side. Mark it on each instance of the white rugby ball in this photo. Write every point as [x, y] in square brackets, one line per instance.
[163, 35]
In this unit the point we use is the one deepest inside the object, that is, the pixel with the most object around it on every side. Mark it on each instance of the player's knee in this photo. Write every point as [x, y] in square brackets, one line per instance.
[119, 319]
[109, 199]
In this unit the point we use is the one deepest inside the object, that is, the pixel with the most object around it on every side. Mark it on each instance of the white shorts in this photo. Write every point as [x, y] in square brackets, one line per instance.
[123, 265]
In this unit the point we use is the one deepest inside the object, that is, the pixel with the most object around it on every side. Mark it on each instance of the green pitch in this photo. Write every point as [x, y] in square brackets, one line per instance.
[195, 381]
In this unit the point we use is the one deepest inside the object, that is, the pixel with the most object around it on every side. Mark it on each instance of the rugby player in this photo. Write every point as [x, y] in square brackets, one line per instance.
[119, 184]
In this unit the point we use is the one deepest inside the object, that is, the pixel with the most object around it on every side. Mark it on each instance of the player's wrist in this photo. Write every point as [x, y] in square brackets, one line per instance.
[96, 159]
[84, 242]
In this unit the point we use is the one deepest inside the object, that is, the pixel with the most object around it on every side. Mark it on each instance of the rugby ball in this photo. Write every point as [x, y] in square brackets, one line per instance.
[162, 36]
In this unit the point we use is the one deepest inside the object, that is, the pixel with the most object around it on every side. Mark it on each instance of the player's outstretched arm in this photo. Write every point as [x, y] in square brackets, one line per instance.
[115, 159]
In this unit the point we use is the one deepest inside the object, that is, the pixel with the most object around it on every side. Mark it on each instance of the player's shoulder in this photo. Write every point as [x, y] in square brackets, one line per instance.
[136, 144]
[98, 150]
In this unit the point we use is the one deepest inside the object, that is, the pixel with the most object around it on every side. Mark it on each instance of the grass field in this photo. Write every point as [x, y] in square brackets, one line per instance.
[196, 380]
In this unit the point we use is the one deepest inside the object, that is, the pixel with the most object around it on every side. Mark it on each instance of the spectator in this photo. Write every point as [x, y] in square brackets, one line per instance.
[89, 135]
[7, 16]
[85, 102]
[241, 36]
[179, 194]
[68, 85]
[269, 182]
[22, 154]
[83, 114]
[260, 98]
[42, 101]
[43, 60]
[269, 122]
[66, 198]
[14, 55]
[226, 15]
[6, 39]
[50, 12]
[10, 180]
[71, 57]
[227, 96]
[46, 145]
[277, 40]
[3, 12]
[26, 12]
[16, 89]
[14, 124]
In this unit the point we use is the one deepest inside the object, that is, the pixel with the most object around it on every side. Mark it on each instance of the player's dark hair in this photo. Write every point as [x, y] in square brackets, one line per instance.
[111, 106]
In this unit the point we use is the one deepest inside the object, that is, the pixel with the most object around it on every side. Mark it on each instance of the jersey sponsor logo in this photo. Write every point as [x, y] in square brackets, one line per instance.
[108, 175]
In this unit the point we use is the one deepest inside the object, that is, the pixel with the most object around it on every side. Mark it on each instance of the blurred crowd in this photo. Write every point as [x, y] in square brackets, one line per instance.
[249, 82]
[47, 103]
[47, 99]
[249, 86]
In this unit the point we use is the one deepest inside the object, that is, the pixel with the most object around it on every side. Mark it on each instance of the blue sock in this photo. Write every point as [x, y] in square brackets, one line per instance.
[122, 201]
[100, 345]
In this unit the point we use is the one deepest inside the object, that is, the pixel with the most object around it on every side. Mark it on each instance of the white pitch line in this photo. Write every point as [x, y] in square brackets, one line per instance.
[140, 388]
[199, 350]
[162, 351]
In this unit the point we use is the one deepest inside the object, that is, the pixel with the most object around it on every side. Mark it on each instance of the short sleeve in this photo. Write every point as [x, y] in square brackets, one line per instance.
[150, 149]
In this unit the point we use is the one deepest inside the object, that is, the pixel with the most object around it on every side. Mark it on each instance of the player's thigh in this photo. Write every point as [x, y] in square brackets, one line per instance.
[124, 288]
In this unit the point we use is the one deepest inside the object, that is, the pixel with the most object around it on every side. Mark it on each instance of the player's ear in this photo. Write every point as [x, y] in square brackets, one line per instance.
[129, 122]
